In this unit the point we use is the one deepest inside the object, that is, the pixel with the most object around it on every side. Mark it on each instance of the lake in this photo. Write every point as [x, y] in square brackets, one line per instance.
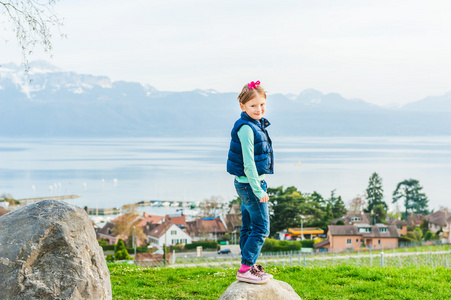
[110, 172]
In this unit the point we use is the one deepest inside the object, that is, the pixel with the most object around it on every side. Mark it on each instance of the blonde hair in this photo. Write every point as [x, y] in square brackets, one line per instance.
[248, 94]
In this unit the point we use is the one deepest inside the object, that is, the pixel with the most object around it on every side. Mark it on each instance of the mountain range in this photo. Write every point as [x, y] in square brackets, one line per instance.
[49, 102]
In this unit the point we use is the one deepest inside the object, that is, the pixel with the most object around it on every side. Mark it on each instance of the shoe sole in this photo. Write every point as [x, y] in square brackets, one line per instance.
[251, 281]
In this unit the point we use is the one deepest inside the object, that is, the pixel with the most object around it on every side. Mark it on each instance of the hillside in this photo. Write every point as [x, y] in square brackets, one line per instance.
[51, 102]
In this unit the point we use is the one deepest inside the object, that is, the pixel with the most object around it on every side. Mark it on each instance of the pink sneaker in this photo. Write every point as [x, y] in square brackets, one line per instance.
[260, 268]
[253, 275]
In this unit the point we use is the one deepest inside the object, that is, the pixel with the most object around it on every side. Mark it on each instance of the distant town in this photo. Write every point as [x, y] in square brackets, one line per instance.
[323, 224]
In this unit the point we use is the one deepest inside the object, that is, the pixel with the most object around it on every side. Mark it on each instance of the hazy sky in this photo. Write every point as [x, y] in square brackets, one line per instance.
[384, 52]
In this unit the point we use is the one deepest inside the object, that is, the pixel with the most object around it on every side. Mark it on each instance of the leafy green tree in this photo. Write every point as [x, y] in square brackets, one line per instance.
[414, 200]
[121, 252]
[337, 205]
[437, 234]
[429, 235]
[315, 212]
[274, 192]
[414, 236]
[9, 198]
[340, 222]
[286, 208]
[109, 257]
[103, 242]
[424, 226]
[329, 214]
[226, 237]
[237, 200]
[317, 198]
[375, 193]
[380, 213]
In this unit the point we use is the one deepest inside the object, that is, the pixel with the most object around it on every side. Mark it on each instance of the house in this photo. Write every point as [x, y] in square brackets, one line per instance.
[235, 209]
[3, 211]
[437, 220]
[153, 219]
[178, 220]
[354, 218]
[344, 237]
[106, 233]
[440, 220]
[232, 220]
[367, 218]
[233, 223]
[167, 233]
[206, 229]
[401, 226]
[415, 219]
[145, 221]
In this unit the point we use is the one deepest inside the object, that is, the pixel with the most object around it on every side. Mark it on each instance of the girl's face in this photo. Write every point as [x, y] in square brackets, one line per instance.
[255, 108]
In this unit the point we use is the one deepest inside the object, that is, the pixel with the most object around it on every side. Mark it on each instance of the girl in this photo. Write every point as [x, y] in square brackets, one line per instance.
[250, 158]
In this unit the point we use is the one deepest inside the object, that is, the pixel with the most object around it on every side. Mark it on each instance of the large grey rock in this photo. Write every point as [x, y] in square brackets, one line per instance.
[48, 250]
[273, 290]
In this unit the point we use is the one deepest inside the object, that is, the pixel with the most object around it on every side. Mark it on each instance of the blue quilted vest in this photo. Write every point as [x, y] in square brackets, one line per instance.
[263, 155]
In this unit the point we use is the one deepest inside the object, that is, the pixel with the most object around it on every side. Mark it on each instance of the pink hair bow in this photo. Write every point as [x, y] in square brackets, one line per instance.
[252, 85]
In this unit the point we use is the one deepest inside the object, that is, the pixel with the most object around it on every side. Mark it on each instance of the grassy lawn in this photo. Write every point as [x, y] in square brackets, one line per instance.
[333, 282]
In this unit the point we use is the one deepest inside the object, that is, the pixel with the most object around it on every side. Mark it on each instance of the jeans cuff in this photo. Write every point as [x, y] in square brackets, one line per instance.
[246, 262]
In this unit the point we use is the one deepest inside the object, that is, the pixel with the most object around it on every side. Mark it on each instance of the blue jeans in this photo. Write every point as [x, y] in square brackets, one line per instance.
[255, 218]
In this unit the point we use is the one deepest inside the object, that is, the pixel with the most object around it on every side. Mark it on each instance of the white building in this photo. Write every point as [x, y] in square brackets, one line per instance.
[168, 233]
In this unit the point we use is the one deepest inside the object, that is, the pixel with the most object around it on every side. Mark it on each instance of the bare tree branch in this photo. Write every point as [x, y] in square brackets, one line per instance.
[32, 21]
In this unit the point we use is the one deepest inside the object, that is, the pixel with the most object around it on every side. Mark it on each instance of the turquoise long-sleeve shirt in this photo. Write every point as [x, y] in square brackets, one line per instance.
[246, 136]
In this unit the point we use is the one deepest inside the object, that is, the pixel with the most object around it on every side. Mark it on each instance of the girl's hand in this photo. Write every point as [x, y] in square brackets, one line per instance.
[264, 199]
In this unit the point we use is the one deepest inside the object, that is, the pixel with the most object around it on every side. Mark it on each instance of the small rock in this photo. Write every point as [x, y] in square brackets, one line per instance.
[273, 290]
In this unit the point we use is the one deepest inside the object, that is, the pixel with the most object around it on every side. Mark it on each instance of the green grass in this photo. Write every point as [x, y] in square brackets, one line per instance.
[332, 282]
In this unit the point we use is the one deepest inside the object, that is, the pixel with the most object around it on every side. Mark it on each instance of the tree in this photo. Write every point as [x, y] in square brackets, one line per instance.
[121, 252]
[337, 205]
[414, 236]
[127, 224]
[375, 192]
[8, 198]
[208, 207]
[316, 197]
[414, 200]
[314, 208]
[237, 200]
[379, 213]
[356, 204]
[424, 226]
[32, 21]
[429, 235]
[287, 207]
[226, 237]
